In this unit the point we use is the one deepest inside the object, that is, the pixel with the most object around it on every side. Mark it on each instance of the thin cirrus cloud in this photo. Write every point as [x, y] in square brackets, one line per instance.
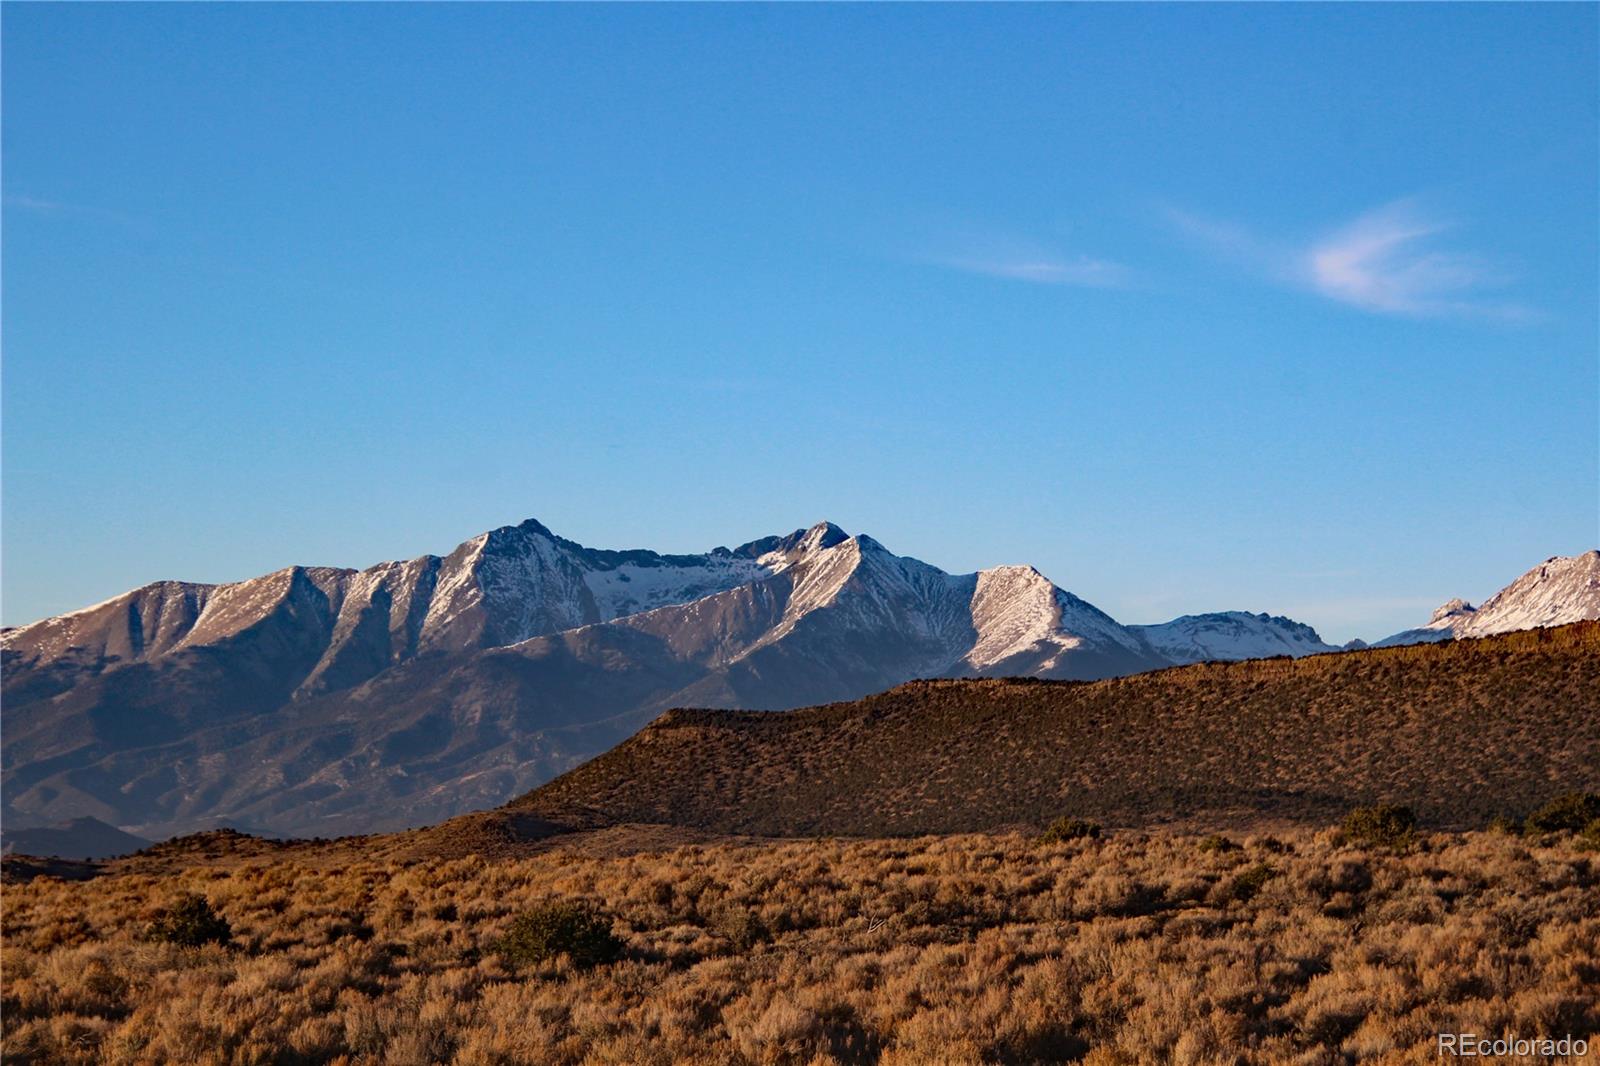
[1385, 261]
[993, 253]
[61, 209]
[35, 203]
[1044, 270]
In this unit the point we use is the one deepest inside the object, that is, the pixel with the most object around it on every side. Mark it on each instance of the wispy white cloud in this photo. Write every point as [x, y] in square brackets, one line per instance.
[975, 248]
[34, 203]
[43, 206]
[1077, 270]
[1386, 261]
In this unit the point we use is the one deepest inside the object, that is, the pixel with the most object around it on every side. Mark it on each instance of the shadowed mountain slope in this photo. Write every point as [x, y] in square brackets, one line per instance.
[80, 838]
[1461, 731]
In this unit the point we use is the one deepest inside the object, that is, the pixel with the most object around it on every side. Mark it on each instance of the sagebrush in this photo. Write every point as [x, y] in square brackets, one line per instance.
[552, 930]
[1131, 949]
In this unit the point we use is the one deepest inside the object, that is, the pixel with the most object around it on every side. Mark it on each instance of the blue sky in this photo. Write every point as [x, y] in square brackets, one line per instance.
[1286, 308]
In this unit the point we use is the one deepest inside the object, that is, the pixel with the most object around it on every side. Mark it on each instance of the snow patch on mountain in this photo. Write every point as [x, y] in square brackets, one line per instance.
[456, 588]
[820, 575]
[632, 588]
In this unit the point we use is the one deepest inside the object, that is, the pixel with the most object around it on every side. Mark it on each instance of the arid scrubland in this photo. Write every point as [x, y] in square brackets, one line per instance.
[1460, 732]
[1132, 948]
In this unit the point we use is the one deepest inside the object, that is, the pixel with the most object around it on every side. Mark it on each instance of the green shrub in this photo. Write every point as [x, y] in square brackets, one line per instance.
[1218, 843]
[189, 922]
[1064, 829]
[1387, 825]
[1505, 824]
[543, 933]
[1572, 811]
[741, 927]
[1589, 839]
[1247, 883]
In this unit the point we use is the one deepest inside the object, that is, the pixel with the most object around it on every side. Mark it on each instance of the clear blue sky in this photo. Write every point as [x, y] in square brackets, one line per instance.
[1286, 308]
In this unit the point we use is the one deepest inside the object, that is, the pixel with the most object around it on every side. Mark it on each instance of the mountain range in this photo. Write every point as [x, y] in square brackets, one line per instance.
[316, 701]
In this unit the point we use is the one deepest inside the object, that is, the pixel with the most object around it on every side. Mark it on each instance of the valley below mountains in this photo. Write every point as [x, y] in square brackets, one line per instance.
[316, 701]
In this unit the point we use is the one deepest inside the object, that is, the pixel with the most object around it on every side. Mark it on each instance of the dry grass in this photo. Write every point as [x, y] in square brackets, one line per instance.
[1136, 948]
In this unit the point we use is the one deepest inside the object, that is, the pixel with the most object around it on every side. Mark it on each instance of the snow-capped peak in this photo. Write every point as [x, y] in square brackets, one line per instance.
[820, 537]
[1014, 608]
[1232, 635]
[1019, 614]
[1560, 590]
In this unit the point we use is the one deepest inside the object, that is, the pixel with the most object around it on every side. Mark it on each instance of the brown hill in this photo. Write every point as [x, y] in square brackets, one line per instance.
[1461, 731]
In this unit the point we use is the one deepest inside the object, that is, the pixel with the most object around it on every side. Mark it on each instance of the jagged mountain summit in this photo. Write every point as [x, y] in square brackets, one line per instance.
[1560, 590]
[500, 587]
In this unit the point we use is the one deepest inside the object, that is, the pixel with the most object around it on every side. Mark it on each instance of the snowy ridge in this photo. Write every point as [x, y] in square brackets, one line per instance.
[821, 568]
[1560, 590]
[1006, 618]
[231, 609]
[1557, 591]
[839, 602]
[515, 583]
[455, 586]
[1447, 620]
[858, 590]
[1018, 612]
[1014, 609]
[929, 603]
[498, 588]
[1082, 618]
[1229, 635]
[164, 609]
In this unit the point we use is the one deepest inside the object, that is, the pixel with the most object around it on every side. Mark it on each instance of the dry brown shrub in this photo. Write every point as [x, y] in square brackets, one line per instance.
[980, 948]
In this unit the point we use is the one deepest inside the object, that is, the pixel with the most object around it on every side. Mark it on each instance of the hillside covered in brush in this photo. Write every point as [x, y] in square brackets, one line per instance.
[1461, 731]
